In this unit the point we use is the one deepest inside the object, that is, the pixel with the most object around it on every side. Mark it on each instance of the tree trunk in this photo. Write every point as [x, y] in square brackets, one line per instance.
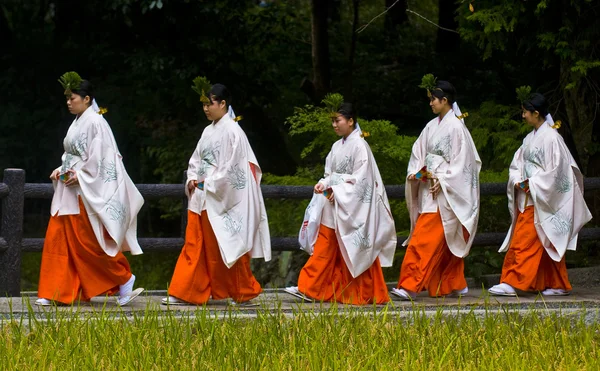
[348, 95]
[5, 27]
[580, 103]
[447, 41]
[320, 49]
[334, 13]
[593, 169]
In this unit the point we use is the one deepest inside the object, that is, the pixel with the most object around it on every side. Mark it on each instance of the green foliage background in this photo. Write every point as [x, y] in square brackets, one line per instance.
[143, 54]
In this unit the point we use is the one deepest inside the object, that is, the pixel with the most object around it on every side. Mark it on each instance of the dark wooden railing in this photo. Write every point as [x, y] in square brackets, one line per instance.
[14, 191]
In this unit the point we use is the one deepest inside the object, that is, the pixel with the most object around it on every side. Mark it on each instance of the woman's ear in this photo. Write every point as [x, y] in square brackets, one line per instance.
[87, 100]
[223, 104]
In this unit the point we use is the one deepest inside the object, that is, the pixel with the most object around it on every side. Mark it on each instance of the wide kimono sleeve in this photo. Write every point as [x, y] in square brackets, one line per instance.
[194, 165]
[411, 189]
[459, 179]
[364, 225]
[195, 198]
[311, 222]
[557, 195]
[234, 200]
[230, 177]
[454, 161]
[515, 175]
[327, 173]
[111, 199]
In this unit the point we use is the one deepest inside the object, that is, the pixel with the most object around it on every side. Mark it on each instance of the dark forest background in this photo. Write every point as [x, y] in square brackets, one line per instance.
[279, 58]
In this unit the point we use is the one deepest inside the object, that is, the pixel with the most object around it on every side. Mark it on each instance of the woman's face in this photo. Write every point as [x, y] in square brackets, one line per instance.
[532, 118]
[214, 110]
[437, 105]
[76, 104]
[342, 126]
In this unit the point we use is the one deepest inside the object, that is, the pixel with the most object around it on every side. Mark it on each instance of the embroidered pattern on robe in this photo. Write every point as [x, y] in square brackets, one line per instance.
[448, 151]
[555, 190]
[111, 199]
[363, 221]
[232, 198]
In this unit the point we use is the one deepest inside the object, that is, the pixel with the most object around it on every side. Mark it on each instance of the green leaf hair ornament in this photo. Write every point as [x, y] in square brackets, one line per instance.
[333, 102]
[202, 87]
[70, 81]
[428, 82]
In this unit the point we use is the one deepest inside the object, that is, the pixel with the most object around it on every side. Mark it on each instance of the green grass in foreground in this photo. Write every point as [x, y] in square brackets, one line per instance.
[335, 339]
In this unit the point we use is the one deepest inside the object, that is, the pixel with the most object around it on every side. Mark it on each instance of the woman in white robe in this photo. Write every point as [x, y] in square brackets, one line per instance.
[545, 200]
[348, 229]
[227, 219]
[442, 196]
[94, 210]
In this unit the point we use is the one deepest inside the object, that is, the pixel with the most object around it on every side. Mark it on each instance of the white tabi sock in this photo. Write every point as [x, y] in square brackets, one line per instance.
[125, 289]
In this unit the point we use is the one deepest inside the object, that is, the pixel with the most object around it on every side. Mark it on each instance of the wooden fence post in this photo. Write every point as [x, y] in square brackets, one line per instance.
[12, 233]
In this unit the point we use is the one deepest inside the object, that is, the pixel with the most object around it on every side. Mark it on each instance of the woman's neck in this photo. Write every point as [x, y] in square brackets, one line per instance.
[217, 119]
[538, 124]
[77, 116]
[345, 136]
[444, 111]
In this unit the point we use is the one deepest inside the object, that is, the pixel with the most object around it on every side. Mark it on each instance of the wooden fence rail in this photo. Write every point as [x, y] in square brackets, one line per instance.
[14, 191]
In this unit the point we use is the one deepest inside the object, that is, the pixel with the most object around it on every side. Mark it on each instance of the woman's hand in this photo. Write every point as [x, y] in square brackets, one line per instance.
[72, 178]
[523, 186]
[329, 194]
[412, 177]
[319, 188]
[435, 187]
[55, 174]
[191, 186]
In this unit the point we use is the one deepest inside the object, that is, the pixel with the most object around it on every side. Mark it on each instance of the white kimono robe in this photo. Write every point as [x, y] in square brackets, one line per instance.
[360, 214]
[111, 199]
[448, 151]
[555, 191]
[232, 198]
